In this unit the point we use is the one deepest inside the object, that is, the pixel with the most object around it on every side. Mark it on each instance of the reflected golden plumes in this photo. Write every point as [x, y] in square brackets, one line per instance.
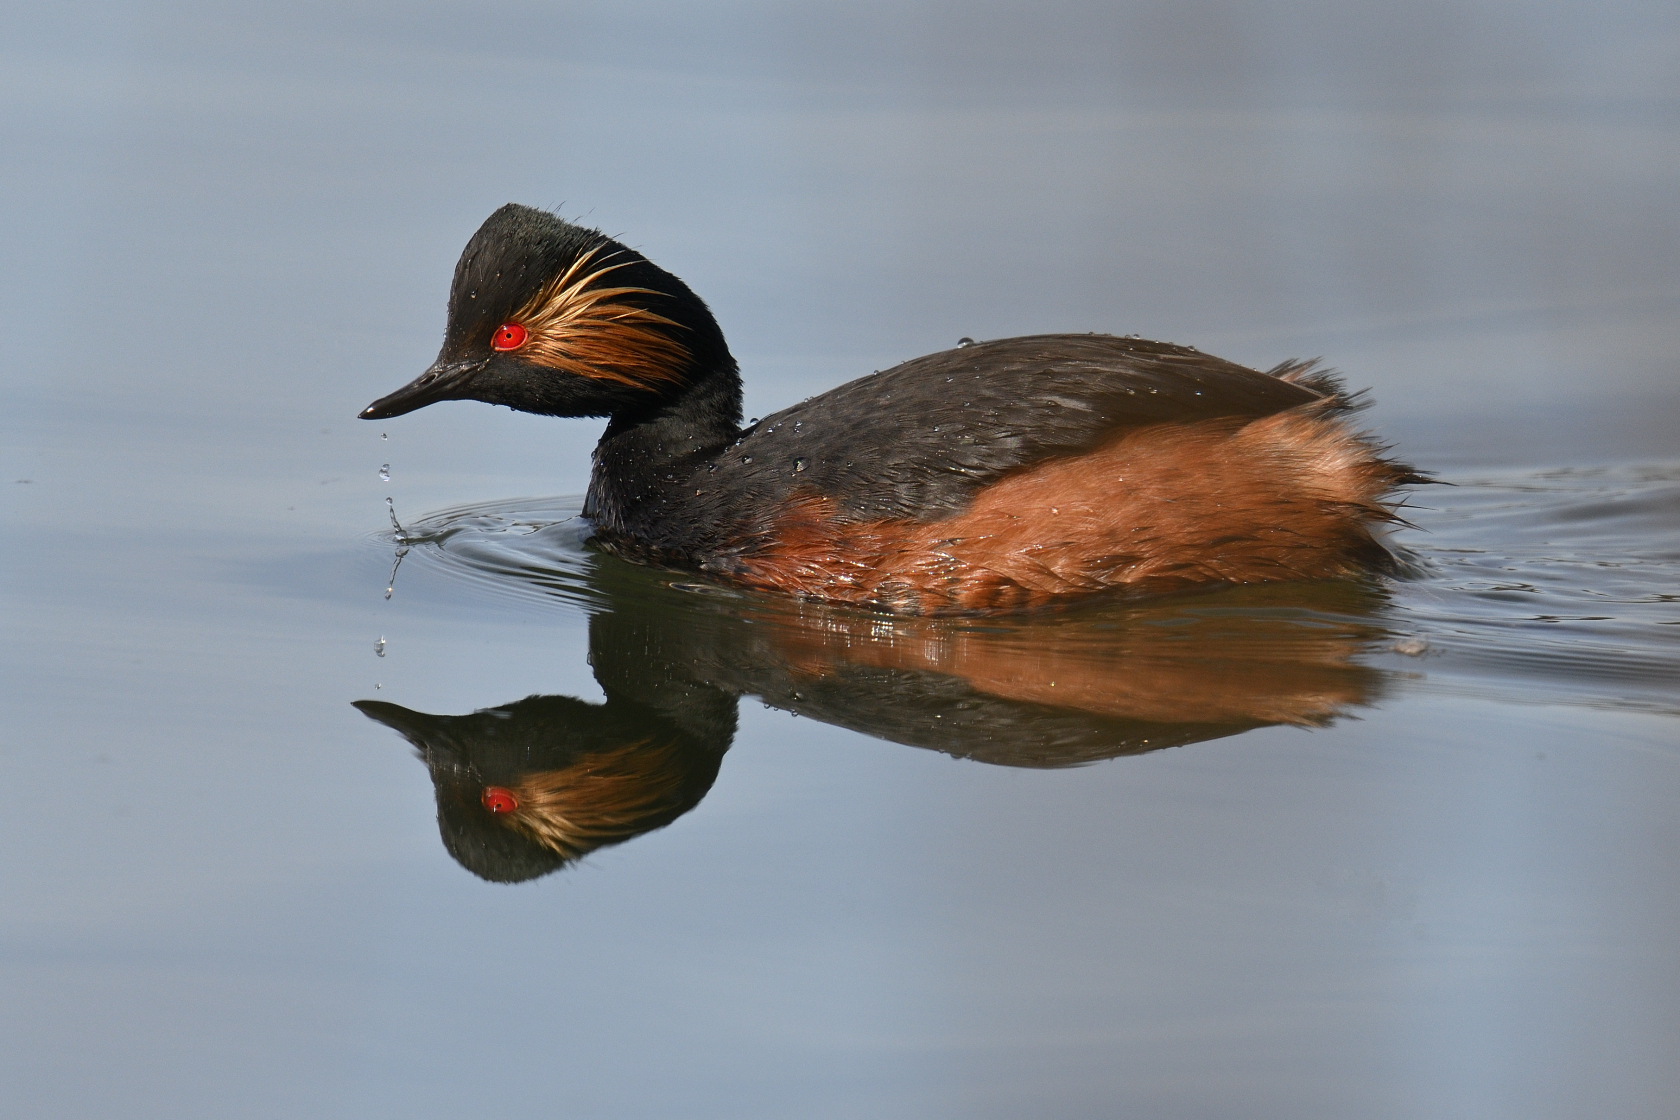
[604, 798]
[526, 788]
[589, 331]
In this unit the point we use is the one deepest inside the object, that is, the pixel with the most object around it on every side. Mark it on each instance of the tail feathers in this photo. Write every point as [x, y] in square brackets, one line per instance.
[1324, 380]
[1328, 382]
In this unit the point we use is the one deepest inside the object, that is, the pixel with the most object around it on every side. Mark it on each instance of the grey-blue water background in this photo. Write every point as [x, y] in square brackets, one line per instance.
[223, 889]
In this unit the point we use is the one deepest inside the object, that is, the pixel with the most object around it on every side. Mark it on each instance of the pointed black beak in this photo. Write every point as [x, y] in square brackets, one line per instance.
[444, 381]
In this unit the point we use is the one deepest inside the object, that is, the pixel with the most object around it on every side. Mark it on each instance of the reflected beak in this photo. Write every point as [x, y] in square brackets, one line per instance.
[425, 733]
[395, 716]
[444, 381]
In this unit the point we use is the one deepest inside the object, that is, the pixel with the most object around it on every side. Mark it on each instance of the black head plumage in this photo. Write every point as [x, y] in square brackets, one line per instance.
[559, 319]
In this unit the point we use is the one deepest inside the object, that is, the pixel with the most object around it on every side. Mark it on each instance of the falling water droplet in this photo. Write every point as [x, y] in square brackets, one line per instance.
[385, 473]
[379, 646]
[964, 342]
[382, 435]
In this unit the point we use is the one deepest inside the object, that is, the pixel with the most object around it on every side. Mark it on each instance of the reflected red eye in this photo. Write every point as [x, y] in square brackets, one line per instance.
[509, 336]
[499, 800]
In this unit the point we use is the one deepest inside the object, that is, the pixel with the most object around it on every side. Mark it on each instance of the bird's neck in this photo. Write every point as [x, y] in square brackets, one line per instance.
[645, 457]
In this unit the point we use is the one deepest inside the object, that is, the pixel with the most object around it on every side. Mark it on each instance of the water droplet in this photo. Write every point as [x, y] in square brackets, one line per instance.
[379, 646]
[1411, 647]
[382, 435]
[396, 526]
[710, 467]
[385, 473]
[746, 458]
[754, 420]
[798, 465]
[964, 342]
[473, 294]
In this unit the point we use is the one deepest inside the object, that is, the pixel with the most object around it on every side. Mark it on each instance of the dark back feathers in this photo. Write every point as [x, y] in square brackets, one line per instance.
[916, 441]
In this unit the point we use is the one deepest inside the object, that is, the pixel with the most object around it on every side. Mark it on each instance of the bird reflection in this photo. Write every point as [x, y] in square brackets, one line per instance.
[525, 788]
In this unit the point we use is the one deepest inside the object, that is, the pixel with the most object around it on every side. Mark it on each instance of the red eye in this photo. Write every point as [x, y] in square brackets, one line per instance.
[499, 800]
[509, 336]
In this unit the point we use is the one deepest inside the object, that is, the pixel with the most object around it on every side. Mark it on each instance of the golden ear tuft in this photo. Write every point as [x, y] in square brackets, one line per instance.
[605, 798]
[587, 331]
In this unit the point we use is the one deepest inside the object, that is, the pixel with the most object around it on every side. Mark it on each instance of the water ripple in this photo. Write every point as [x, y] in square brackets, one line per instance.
[1561, 582]
[1552, 586]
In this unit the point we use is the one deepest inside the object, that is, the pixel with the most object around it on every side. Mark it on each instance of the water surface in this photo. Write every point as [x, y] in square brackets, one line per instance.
[1401, 849]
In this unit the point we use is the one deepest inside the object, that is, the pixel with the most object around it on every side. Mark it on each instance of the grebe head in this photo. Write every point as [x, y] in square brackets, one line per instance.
[526, 788]
[553, 318]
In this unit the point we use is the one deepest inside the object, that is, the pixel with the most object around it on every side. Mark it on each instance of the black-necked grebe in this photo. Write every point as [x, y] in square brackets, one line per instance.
[993, 476]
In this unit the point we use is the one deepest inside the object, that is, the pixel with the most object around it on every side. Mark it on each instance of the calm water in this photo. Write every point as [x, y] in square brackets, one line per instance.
[1402, 850]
